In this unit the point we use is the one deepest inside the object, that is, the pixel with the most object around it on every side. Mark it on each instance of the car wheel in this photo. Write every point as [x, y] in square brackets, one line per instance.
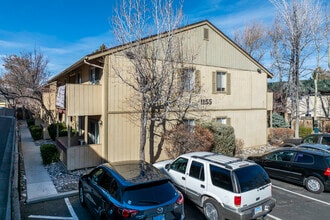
[211, 209]
[314, 185]
[82, 195]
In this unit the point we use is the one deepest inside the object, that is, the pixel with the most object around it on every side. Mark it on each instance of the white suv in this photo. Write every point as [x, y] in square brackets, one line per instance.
[225, 187]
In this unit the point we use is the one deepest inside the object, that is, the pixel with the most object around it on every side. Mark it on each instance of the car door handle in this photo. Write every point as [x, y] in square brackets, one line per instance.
[183, 178]
[202, 186]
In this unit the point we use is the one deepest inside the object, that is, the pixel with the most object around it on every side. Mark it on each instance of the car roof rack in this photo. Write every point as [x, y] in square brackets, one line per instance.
[225, 164]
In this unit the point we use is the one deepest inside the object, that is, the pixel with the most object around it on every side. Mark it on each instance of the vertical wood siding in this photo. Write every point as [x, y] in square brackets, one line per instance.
[82, 99]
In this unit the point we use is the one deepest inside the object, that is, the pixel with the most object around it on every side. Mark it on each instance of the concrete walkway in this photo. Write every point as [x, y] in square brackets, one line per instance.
[38, 182]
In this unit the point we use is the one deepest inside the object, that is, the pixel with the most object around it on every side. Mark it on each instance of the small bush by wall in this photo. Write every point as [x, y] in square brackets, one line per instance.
[184, 141]
[278, 135]
[224, 138]
[62, 130]
[52, 129]
[30, 122]
[36, 132]
[49, 153]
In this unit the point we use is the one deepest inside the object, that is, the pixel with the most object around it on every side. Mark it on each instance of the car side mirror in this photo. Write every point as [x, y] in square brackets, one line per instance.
[168, 166]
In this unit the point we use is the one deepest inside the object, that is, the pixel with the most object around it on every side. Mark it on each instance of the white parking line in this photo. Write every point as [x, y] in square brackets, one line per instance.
[73, 214]
[50, 217]
[298, 194]
[68, 204]
[273, 217]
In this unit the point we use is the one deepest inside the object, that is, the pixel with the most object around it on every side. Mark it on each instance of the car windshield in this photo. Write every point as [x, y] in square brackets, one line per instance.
[149, 194]
[251, 177]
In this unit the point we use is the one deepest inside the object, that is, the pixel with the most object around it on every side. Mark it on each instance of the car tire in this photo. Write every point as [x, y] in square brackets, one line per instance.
[82, 195]
[314, 185]
[211, 209]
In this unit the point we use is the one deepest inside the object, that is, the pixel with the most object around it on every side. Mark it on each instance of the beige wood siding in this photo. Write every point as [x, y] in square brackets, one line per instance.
[216, 51]
[83, 99]
[84, 156]
[270, 101]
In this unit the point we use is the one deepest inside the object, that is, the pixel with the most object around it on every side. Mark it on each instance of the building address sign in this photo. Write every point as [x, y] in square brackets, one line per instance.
[206, 101]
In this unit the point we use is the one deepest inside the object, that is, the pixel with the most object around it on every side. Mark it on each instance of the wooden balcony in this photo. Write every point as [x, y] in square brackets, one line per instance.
[83, 99]
[78, 155]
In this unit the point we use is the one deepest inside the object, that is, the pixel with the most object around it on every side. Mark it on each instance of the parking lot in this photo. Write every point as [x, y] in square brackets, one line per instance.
[292, 202]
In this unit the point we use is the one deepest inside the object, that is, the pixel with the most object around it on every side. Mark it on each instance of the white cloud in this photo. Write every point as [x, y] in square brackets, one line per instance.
[61, 54]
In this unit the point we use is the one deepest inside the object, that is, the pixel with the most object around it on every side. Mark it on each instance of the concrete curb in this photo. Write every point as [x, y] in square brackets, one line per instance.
[52, 197]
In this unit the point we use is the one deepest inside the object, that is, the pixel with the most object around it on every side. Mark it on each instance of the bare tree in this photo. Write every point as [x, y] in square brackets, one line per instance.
[156, 53]
[293, 43]
[23, 78]
[252, 39]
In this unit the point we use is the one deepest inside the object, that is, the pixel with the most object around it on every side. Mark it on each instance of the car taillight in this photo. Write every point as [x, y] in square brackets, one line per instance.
[180, 200]
[237, 200]
[127, 213]
[327, 172]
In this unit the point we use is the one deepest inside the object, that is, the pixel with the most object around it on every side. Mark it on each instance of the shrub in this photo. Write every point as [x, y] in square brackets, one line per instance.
[184, 141]
[49, 153]
[224, 138]
[36, 132]
[304, 131]
[30, 122]
[278, 135]
[52, 130]
[278, 121]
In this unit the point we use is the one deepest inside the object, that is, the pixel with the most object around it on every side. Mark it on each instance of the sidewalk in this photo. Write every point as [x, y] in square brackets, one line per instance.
[38, 182]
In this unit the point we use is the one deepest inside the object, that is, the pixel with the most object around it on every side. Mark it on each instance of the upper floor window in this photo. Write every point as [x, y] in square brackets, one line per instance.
[79, 78]
[190, 80]
[221, 82]
[95, 75]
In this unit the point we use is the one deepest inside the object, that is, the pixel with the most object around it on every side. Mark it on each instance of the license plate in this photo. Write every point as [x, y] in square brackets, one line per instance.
[159, 217]
[257, 209]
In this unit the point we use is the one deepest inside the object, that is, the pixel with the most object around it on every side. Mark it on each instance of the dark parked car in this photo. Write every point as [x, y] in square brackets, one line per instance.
[305, 166]
[319, 138]
[130, 190]
[322, 147]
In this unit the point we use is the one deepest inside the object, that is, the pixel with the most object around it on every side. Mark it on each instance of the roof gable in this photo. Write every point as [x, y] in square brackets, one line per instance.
[222, 50]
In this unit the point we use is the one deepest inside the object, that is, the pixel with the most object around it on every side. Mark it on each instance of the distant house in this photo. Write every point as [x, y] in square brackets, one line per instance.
[307, 103]
[89, 98]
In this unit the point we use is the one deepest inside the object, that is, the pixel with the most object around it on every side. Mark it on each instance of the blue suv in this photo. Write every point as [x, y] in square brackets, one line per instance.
[130, 190]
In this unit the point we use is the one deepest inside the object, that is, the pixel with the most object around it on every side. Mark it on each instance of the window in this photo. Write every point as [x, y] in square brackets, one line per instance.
[180, 165]
[79, 78]
[221, 178]
[221, 82]
[251, 177]
[281, 156]
[311, 139]
[303, 158]
[96, 175]
[326, 140]
[95, 75]
[189, 124]
[188, 79]
[93, 133]
[222, 120]
[197, 170]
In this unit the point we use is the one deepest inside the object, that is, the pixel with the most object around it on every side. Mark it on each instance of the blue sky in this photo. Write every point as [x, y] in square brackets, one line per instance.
[66, 30]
